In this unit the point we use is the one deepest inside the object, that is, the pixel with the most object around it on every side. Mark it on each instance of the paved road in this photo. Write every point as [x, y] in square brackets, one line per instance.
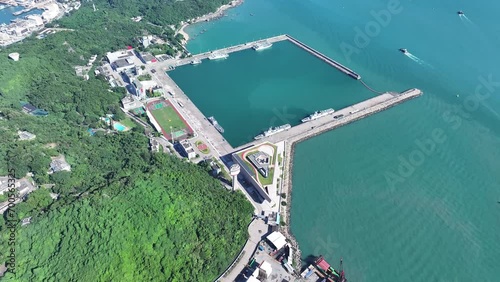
[256, 230]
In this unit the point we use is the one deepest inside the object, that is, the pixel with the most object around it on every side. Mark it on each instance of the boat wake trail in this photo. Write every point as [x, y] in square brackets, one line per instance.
[465, 19]
[418, 60]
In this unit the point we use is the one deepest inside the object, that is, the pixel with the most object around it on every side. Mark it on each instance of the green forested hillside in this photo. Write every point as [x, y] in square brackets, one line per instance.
[173, 224]
[123, 214]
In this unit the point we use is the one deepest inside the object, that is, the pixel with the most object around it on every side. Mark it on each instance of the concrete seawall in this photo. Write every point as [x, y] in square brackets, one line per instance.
[271, 40]
[323, 57]
[293, 140]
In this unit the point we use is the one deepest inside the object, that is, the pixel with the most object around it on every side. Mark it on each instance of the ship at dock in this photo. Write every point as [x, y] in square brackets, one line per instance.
[322, 269]
[195, 62]
[272, 131]
[262, 46]
[217, 126]
[217, 56]
[318, 114]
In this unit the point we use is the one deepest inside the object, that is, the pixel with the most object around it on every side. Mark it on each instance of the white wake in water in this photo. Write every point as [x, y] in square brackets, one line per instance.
[464, 18]
[418, 60]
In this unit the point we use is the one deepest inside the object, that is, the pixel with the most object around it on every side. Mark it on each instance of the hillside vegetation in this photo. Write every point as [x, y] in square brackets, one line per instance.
[123, 214]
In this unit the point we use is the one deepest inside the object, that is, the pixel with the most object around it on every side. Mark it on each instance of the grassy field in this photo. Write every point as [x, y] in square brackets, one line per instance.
[167, 117]
[127, 122]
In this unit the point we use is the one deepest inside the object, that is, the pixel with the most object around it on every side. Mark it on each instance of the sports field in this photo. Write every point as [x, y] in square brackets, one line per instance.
[167, 117]
[169, 120]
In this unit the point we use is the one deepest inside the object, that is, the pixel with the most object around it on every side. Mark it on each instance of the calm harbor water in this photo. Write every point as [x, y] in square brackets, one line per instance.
[251, 91]
[6, 14]
[409, 194]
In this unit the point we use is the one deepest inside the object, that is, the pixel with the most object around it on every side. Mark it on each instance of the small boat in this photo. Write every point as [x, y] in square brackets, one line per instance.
[251, 14]
[195, 62]
[460, 13]
[403, 50]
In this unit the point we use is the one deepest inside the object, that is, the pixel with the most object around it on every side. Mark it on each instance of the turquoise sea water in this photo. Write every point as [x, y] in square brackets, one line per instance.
[396, 206]
[6, 14]
[251, 91]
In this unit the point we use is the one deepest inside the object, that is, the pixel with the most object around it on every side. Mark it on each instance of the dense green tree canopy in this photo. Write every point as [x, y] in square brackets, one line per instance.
[123, 214]
[174, 224]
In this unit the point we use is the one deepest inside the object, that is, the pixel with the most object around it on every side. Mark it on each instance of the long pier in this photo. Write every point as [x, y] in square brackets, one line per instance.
[271, 40]
[350, 114]
[324, 58]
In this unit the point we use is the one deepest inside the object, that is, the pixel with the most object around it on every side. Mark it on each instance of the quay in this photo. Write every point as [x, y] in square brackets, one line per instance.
[248, 45]
[324, 58]
[22, 11]
[350, 114]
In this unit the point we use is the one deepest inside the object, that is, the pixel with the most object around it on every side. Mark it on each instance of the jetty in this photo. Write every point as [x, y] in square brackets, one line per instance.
[344, 116]
[22, 11]
[324, 58]
[269, 40]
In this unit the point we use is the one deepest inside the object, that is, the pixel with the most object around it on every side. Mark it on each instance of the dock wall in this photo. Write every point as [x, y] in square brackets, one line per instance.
[293, 140]
[271, 40]
[324, 58]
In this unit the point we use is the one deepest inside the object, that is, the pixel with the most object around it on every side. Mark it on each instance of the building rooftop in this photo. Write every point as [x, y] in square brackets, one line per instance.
[123, 63]
[277, 239]
[148, 57]
[25, 135]
[122, 54]
[59, 164]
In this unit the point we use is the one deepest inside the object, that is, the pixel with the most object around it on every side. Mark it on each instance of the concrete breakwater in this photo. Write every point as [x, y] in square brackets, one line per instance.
[385, 101]
[271, 40]
[323, 57]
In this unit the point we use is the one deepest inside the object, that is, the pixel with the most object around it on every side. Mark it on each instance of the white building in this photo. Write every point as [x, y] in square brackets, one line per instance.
[277, 239]
[129, 102]
[146, 40]
[266, 269]
[25, 135]
[59, 164]
[14, 56]
[188, 149]
[142, 87]
[118, 55]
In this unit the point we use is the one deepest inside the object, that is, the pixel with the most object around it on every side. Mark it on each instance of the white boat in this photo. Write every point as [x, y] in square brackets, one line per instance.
[318, 114]
[195, 62]
[262, 46]
[3, 7]
[218, 55]
[217, 126]
[272, 131]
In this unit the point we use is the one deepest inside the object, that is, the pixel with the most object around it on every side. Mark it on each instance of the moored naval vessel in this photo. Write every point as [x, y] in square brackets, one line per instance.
[318, 114]
[273, 130]
[262, 46]
[217, 56]
[217, 126]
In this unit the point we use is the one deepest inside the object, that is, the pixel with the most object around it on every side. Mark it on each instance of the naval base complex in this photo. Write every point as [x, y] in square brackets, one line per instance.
[264, 165]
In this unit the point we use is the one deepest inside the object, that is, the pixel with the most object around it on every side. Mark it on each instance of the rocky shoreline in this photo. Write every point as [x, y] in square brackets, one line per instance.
[287, 189]
[208, 17]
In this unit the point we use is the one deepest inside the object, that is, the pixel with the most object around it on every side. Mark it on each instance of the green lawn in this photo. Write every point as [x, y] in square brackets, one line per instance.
[167, 117]
[128, 122]
[269, 180]
[264, 181]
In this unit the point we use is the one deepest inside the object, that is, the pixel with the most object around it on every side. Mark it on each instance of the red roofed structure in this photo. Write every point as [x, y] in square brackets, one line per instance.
[321, 263]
